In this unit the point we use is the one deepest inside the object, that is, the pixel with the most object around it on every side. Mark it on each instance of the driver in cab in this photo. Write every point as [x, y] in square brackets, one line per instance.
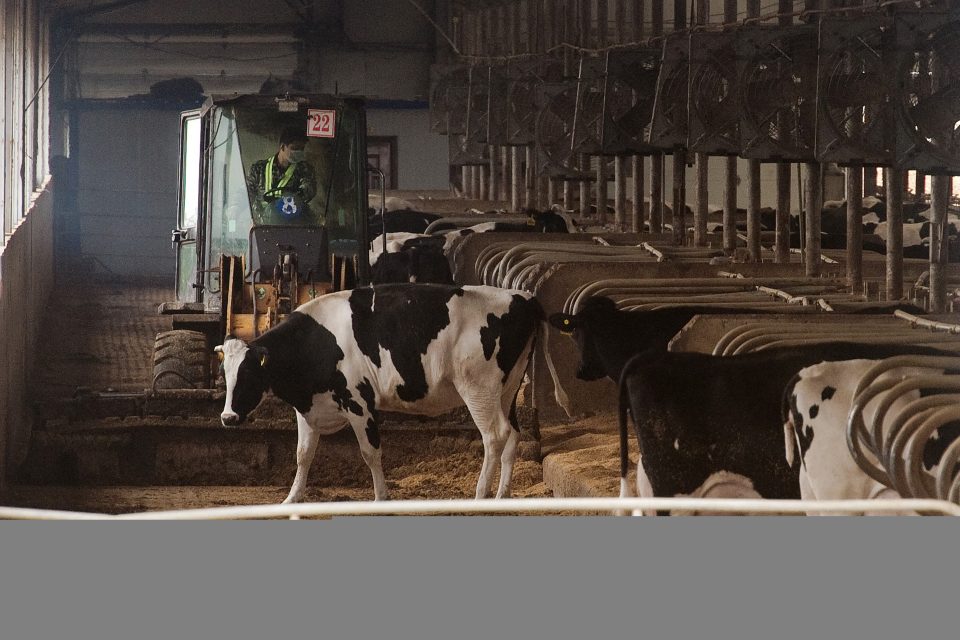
[282, 185]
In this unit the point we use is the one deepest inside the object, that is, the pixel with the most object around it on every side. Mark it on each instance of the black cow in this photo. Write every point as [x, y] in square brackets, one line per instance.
[420, 262]
[707, 422]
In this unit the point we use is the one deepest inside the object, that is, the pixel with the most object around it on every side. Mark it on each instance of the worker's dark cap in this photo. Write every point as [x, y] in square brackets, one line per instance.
[293, 134]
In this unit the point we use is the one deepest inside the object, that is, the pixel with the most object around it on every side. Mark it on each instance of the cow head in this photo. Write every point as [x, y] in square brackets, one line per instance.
[547, 221]
[582, 327]
[244, 370]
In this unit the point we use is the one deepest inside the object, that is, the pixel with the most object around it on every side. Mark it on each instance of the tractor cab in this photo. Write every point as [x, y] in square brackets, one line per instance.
[272, 213]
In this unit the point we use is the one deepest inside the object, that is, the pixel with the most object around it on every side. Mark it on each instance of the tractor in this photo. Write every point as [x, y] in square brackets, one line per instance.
[244, 259]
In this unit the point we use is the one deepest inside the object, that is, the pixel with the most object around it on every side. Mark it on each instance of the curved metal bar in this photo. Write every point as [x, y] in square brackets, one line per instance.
[868, 388]
[857, 436]
[920, 481]
[771, 341]
[948, 462]
[906, 425]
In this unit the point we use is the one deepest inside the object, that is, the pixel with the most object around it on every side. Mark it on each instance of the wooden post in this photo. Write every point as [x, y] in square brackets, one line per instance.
[516, 180]
[920, 187]
[812, 197]
[465, 181]
[551, 193]
[753, 173]
[567, 195]
[753, 212]
[730, 168]
[703, 177]
[619, 189]
[601, 190]
[505, 170]
[854, 189]
[494, 172]
[584, 186]
[893, 180]
[730, 206]
[619, 21]
[782, 233]
[639, 9]
[700, 212]
[656, 191]
[656, 18]
[478, 182]
[636, 217]
[870, 181]
[939, 250]
[603, 20]
[782, 247]
[483, 179]
[679, 196]
[528, 181]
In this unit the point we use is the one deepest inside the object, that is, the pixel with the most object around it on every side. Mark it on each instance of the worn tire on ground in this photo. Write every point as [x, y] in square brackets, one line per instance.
[181, 360]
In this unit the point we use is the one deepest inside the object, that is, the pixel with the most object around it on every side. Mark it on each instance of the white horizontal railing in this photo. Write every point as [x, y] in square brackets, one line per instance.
[513, 506]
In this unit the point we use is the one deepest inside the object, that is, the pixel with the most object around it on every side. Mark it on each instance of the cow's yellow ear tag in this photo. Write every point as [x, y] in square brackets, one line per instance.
[263, 361]
[531, 222]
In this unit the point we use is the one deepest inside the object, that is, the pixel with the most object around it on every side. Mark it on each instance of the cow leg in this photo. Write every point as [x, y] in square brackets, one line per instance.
[368, 436]
[507, 459]
[307, 439]
[495, 431]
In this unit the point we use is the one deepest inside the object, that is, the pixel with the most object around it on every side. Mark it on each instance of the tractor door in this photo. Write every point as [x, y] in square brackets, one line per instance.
[185, 234]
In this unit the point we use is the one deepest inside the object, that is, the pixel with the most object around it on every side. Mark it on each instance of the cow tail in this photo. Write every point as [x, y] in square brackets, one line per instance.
[559, 394]
[623, 406]
[786, 414]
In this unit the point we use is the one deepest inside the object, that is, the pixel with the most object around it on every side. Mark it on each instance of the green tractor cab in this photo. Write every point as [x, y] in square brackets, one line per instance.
[262, 228]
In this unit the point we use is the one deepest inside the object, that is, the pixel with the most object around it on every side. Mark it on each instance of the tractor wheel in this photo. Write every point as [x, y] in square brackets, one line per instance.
[181, 360]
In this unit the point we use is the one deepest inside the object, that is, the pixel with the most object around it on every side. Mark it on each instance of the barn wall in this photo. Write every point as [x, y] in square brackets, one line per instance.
[26, 280]
[421, 154]
[127, 189]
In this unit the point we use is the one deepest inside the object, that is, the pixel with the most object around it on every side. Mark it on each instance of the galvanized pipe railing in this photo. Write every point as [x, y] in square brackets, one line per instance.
[593, 506]
[893, 455]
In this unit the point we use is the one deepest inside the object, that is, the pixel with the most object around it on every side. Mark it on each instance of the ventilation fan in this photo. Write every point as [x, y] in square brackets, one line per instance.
[515, 98]
[498, 113]
[554, 131]
[588, 116]
[569, 122]
[668, 126]
[714, 114]
[777, 81]
[478, 103]
[927, 95]
[854, 115]
[470, 146]
[631, 82]
[447, 86]
[464, 151]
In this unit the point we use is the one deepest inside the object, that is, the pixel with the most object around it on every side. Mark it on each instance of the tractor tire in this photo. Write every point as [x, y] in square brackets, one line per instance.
[181, 360]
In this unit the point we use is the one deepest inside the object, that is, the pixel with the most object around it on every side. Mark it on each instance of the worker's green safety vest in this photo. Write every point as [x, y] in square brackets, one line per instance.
[268, 189]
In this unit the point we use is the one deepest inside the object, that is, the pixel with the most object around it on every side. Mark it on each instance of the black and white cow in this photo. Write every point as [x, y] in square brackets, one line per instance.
[420, 349]
[816, 406]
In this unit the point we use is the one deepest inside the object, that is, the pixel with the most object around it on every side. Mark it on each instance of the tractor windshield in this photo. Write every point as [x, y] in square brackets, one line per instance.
[312, 181]
[299, 170]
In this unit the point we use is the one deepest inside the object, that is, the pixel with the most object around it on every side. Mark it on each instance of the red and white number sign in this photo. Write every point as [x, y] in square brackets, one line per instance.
[321, 123]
